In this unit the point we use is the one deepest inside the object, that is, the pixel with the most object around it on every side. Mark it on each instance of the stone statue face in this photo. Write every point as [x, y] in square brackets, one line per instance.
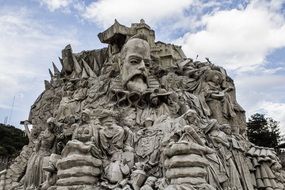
[148, 123]
[216, 79]
[191, 118]
[51, 126]
[34, 133]
[227, 129]
[71, 119]
[136, 54]
[154, 101]
[85, 117]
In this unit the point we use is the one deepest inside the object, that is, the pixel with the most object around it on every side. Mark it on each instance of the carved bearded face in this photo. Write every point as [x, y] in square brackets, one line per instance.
[136, 55]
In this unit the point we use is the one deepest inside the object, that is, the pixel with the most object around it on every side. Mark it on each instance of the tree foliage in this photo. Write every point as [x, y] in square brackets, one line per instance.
[12, 140]
[263, 131]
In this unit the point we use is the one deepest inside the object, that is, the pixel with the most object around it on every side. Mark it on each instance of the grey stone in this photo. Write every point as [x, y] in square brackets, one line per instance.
[139, 115]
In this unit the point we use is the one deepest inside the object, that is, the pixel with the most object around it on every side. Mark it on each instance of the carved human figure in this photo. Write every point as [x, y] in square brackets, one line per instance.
[32, 134]
[79, 95]
[159, 100]
[279, 175]
[190, 117]
[135, 55]
[149, 183]
[81, 155]
[238, 150]
[116, 143]
[185, 162]
[68, 128]
[85, 134]
[215, 99]
[35, 175]
[67, 106]
[111, 135]
[221, 141]
[116, 170]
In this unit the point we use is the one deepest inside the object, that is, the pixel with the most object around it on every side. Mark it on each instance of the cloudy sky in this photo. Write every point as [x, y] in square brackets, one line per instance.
[245, 37]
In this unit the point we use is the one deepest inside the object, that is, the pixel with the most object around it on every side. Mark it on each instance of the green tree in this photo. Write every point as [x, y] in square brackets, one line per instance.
[263, 131]
[11, 140]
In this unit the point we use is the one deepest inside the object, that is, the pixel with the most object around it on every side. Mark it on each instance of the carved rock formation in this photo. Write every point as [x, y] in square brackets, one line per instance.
[139, 115]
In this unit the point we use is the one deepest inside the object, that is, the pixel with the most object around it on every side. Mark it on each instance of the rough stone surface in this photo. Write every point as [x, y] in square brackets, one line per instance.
[139, 115]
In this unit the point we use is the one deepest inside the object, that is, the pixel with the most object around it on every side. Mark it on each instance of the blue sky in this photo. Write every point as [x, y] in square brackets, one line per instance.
[245, 37]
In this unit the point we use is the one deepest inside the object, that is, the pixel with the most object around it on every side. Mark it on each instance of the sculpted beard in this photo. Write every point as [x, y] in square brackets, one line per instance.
[137, 84]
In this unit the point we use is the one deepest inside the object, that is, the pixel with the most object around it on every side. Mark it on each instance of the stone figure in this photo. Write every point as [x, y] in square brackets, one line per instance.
[84, 133]
[186, 165]
[35, 175]
[80, 93]
[32, 134]
[224, 139]
[135, 55]
[116, 171]
[111, 135]
[67, 106]
[67, 61]
[80, 164]
[238, 151]
[214, 95]
[139, 115]
[149, 183]
[221, 142]
[61, 139]
[159, 100]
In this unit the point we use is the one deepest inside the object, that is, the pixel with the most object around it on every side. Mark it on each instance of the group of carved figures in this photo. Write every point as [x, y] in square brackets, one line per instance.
[135, 128]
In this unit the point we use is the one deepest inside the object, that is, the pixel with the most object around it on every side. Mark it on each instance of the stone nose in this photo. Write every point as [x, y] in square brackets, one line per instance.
[142, 66]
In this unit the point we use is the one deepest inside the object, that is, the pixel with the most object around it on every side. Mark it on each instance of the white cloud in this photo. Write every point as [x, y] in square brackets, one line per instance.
[103, 12]
[276, 111]
[238, 38]
[262, 93]
[56, 4]
[27, 47]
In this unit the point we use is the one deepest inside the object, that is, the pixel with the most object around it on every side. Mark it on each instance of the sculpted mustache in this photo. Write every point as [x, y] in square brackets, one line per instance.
[142, 74]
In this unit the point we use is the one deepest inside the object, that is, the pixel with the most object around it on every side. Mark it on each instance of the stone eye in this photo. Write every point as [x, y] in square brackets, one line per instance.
[133, 61]
[146, 62]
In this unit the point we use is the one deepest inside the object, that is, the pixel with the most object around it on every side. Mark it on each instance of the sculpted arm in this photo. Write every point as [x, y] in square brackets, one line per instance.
[74, 135]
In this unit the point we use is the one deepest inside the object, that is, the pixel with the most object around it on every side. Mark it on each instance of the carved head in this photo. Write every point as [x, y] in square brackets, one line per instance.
[51, 123]
[226, 128]
[85, 115]
[191, 116]
[215, 77]
[135, 55]
[235, 130]
[151, 180]
[71, 119]
[108, 121]
[148, 122]
[35, 133]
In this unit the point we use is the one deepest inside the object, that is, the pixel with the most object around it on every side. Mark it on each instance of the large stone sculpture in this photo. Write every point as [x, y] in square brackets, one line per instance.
[139, 115]
[79, 165]
[35, 175]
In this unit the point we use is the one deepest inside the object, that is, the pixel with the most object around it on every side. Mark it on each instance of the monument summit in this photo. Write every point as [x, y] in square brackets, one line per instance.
[139, 115]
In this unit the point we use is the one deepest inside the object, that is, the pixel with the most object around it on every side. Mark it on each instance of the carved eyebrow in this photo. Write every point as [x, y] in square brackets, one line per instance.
[139, 57]
[135, 57]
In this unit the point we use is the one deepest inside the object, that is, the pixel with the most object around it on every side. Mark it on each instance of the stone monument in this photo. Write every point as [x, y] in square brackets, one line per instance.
[139, 115]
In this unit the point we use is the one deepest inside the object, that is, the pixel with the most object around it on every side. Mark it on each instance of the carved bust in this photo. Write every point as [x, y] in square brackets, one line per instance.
[135, 55]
